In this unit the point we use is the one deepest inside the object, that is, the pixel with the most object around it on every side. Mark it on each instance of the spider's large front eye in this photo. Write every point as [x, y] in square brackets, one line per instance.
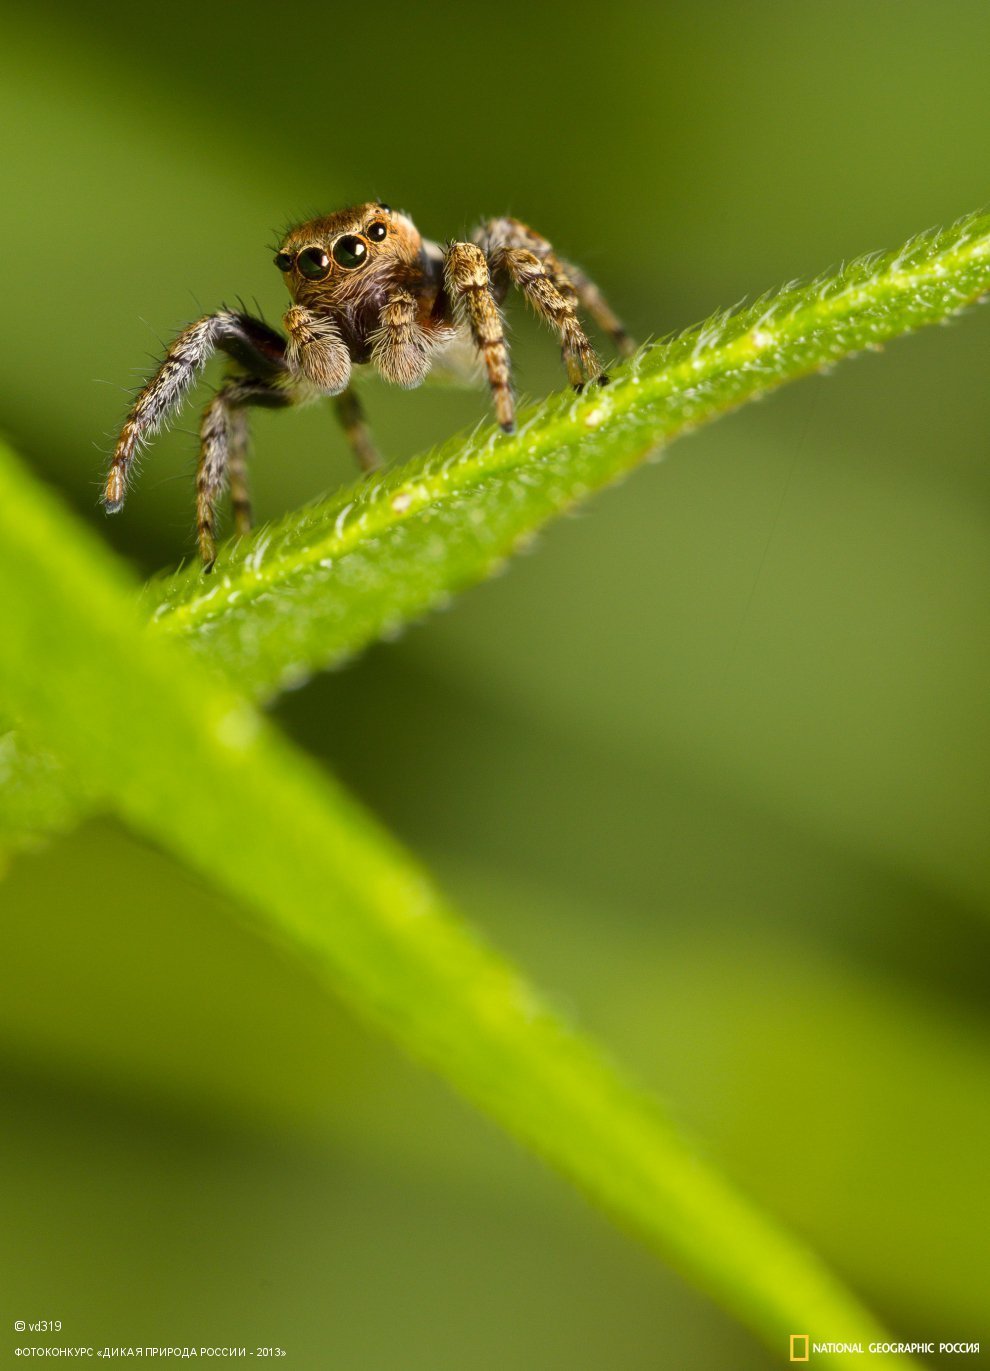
[313, 263]
[283, 260]
[350, 251]
[377, 232]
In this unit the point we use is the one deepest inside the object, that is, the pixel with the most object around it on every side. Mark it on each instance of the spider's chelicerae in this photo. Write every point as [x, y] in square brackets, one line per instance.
[366, 288]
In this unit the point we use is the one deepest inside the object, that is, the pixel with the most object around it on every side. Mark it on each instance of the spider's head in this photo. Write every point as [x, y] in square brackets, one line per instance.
[346, 256]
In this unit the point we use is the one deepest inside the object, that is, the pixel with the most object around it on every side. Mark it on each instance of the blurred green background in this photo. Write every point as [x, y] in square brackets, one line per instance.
[712, 763]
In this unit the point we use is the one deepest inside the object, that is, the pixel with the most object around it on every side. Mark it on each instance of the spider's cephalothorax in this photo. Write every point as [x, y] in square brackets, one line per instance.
[366, 288]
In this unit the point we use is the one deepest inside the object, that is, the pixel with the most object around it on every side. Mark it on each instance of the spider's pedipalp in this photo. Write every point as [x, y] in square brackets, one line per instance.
[316, 350]
[401, 348]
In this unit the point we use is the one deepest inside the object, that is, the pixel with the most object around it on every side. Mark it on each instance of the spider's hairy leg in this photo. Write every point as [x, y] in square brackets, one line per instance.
[350, 412]
[557, 307]
[401, 348]
[467, 282]
[598, 307]
[570, 280]
[317, 351]
[240, 494]
[223, 442]
[246, 339]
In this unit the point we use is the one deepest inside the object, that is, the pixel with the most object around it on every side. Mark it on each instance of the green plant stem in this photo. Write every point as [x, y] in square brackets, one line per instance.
[188, 763]
[331, 578]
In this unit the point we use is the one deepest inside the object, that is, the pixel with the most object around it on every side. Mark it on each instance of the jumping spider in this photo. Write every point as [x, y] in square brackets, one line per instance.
[365, 288]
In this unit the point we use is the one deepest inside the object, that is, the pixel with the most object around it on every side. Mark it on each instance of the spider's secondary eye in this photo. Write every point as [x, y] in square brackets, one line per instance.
[313, 263]
[283, 260]
[382, 205]
[376, 232]
[350, 251]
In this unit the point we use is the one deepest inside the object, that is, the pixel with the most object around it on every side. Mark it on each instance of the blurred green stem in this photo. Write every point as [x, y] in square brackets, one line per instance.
[193, 767]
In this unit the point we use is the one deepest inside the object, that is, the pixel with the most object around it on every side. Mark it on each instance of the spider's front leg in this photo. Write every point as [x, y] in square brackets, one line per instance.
[248, 341]
[468, 286]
